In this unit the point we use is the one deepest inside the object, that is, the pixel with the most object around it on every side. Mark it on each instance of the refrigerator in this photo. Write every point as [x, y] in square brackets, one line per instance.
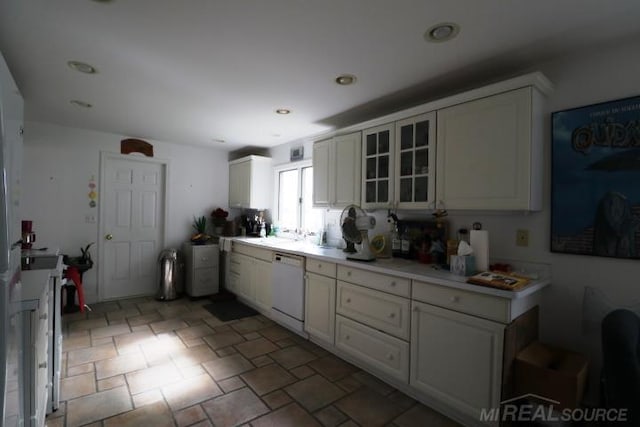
[11, 122]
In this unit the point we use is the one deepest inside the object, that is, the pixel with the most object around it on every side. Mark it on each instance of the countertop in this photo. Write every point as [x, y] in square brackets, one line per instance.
[409, 269]
[34, 281]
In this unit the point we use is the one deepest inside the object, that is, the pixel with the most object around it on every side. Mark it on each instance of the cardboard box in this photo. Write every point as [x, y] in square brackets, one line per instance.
[552, 373]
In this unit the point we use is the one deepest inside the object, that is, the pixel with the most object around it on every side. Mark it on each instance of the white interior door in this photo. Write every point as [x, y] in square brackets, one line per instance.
[132, 225]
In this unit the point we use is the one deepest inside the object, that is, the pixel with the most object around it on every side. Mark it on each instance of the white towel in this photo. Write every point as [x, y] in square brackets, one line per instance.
[225, 244]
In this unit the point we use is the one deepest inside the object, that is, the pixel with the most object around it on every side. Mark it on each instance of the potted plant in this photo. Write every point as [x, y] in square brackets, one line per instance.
[200, 226]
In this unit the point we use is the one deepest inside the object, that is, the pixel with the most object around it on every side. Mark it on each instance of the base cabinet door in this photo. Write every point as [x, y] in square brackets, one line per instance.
[456, 358]
[262, 283]
[320, 307]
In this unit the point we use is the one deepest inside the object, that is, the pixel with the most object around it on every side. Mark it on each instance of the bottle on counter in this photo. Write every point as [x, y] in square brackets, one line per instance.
[405, 242]
[396, 243]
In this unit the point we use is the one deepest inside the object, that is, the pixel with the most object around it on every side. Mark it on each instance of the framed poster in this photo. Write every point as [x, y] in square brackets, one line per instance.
[595, 179]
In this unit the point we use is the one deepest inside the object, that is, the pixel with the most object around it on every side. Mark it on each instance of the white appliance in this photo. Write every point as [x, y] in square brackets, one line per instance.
[11, 381]
[288, 291]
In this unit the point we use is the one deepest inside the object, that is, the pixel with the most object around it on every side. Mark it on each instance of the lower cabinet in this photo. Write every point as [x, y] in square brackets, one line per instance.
[250, 279]
[456, 358]
[379, 350]
[261, 281]
[320, 307]
[36, 346]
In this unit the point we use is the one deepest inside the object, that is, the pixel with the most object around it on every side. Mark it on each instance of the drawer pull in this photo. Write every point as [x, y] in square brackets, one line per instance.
[348, 273]
[390, 356]
[347, 337]
[203, 259]
[348, 300]
[393, 284]
[319, 265]
[392, 315]
[416, 309]
[43, 365]
[455, 299]
[43, 316]
[235, 262]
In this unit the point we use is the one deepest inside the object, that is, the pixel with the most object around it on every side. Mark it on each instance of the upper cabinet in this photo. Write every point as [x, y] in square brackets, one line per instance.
[415, 162]
[477, 150]
[250, 182]
[398, 161]
[489, 153]
[336, 171]
[378, 166]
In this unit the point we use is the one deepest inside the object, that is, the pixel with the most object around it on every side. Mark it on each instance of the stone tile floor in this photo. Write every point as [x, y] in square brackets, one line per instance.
[141, 362]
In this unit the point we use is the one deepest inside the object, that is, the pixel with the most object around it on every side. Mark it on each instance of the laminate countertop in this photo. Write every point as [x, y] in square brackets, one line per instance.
[409, 269]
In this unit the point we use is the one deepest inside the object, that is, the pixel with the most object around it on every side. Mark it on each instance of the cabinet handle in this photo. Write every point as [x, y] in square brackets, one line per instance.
[43, 365]
[348, 300]
[203, 259]
[43, 316]
[319, 265]
[348, 273]
[393, 283]
[347, 337]
[416, 309]
[390, 356]
[392, 315]
[455, 299]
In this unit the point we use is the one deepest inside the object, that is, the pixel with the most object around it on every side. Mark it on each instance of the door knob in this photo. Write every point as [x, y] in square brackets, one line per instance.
[108, 236]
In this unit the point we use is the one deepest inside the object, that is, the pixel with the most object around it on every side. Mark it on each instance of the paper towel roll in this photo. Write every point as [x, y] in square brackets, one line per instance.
[479, 240]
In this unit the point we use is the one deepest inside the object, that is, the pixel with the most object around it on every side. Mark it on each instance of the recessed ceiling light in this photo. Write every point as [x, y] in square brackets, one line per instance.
[442, 32]
[83, 67]
[283, 111]
[82, 104]
[346, 79]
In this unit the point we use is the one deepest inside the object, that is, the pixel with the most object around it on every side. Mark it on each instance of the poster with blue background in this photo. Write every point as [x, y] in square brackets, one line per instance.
[595, 182]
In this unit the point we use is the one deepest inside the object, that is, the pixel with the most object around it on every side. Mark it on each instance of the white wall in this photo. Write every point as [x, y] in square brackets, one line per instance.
[60, 161]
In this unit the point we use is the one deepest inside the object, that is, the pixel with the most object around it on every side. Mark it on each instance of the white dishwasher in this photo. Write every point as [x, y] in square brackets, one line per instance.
[288, 291]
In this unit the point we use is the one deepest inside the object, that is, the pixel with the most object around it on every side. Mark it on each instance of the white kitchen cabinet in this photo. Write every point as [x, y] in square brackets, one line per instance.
[456, 358]
[336, 171]
[35, 319]
[241, 271]
[202, 269]
[320, 306]
[415, 162]
[378, 167]
[261, 278]
[250, 182]
[377, 350]
[490, 153]
[382, 311]
[250, 276]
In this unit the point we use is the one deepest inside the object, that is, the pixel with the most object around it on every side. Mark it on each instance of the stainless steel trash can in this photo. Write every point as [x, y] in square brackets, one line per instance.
[170, 275]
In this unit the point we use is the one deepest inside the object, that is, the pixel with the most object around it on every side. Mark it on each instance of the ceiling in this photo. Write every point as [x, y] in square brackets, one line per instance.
[197, 71]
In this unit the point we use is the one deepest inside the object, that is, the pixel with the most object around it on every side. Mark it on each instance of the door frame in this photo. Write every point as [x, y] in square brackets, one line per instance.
[105, 157]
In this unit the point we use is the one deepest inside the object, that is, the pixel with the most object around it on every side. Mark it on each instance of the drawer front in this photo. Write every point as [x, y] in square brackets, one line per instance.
[381, 282]
[205, 278]
[321, 267]
[252, 251]
[379, 350]
[388, 313]
[487, 306]
[205, 256]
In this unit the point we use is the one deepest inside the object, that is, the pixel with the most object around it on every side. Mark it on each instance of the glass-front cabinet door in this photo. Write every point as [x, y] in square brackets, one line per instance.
[378, 166]
[415, 162]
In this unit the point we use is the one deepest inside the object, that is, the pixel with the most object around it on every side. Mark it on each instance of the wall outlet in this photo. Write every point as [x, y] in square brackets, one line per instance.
[522, 238]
